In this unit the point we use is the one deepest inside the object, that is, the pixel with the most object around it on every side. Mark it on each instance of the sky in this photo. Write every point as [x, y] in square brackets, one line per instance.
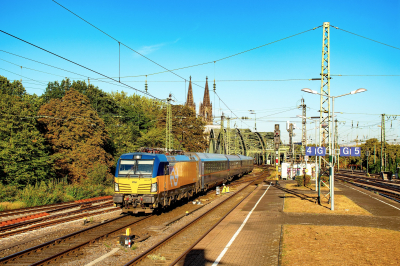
[177, 34]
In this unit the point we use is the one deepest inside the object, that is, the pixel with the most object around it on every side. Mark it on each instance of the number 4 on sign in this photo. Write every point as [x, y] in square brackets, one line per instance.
[310, 151]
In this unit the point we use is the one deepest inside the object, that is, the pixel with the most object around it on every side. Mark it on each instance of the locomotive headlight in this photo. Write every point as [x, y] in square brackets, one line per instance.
[154, 187]
[116, 187]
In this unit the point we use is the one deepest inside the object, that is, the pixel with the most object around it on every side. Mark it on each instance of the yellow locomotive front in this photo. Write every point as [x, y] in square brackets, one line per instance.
[135, 182]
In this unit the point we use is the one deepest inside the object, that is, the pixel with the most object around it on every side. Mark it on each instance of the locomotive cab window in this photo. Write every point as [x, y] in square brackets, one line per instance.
[134, 168]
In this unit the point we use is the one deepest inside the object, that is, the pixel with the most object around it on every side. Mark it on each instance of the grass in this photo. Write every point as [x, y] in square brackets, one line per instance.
[343, 205]
[156, 257]
[339, 245]
[134, 247]
[44, 193]
[6, 206]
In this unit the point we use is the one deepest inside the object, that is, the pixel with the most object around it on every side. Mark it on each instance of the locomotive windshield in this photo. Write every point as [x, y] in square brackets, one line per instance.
[135, 167]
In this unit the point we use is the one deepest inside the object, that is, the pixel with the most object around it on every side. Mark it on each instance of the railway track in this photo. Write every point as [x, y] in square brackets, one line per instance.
[51, 207]
[48, 253]
[177, 245]
[59, 250]
[36, 221]
[390, 190]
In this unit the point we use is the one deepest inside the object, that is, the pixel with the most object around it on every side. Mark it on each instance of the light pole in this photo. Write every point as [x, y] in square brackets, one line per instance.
[332, 139]
[316, 165]
[255, 119]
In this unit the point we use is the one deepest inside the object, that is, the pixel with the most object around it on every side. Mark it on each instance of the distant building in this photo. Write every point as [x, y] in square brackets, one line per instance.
[205, 110]
[189, 102]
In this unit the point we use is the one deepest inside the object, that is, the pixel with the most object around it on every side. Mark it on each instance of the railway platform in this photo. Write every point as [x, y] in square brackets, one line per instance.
[252, 233]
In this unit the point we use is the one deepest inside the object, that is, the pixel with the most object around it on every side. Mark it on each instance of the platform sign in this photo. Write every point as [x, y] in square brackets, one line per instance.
[344, 151]
[320, 151]
[310, 151]
[355, 151]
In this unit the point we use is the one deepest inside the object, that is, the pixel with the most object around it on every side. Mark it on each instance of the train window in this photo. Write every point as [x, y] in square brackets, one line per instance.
[144, 167]
[126, 167]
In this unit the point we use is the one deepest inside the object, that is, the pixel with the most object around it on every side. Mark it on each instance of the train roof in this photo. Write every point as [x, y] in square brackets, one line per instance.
[144, 156]
[184, 158]
[242, 157]
[233, 157]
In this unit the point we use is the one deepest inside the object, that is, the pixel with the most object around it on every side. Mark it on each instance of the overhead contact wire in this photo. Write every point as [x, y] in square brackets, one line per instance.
[366, 38]
[75, 63]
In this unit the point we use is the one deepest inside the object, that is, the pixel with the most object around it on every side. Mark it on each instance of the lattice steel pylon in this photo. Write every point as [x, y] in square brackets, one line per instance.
[222, 135]
[303, 124]
[168, 125]
[228, 135]
[325, 106]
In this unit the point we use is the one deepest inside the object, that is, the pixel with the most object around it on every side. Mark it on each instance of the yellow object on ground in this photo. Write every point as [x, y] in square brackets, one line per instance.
[224, 189]
[227, 189]
[128, 231]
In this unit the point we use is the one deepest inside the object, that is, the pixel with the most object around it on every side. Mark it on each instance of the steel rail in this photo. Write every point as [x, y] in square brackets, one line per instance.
[384, 193]
[47, 207]
[54, 216]
[54, 222]
[377, 183]
[62, 239]
[174, 234]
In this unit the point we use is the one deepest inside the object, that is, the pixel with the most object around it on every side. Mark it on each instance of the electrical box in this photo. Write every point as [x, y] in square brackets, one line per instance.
[126, 241]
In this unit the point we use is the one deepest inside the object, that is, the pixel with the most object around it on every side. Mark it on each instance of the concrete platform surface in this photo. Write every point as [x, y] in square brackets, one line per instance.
[251, 234]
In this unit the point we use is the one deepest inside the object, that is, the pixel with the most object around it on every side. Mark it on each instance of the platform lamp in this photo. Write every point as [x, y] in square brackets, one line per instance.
[331, 140]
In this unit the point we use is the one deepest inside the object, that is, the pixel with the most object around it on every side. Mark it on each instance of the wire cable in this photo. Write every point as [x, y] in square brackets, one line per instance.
[23, 76]
[76, 63]
[31, 68]
[100, 80]
[366, 38]
[366, 75]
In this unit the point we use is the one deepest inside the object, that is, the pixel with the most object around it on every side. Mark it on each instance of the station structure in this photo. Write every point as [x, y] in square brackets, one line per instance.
[231, 140]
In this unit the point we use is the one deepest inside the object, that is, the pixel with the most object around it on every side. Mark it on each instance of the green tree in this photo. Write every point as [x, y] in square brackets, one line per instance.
[24, 156]
[11, 88]
[76, 133]
[188, 130]
[133, 124]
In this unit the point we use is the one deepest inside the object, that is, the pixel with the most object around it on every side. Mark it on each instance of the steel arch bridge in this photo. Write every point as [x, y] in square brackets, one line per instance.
[259, 145]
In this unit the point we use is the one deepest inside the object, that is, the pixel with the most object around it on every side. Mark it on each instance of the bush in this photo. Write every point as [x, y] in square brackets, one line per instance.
[42, 194]
[8, 193]
[303, 180]
[300, 180]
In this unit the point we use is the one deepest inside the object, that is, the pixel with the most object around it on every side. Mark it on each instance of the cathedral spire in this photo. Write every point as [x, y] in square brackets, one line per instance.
[189, 102]
[206, 106]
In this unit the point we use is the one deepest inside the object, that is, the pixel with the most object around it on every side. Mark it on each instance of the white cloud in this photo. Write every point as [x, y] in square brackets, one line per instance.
[148, 49]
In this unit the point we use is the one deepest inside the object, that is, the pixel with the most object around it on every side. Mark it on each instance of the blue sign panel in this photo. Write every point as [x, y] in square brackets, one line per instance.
[344, 151]
[310, 151]
[355, 151]
[320, 151]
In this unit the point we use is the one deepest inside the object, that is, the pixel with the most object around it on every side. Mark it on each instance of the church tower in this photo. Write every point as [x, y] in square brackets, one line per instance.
[189, 102]
[206, 106]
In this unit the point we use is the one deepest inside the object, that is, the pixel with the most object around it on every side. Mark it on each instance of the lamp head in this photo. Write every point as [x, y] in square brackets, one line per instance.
[358, 91]
[309, 91]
